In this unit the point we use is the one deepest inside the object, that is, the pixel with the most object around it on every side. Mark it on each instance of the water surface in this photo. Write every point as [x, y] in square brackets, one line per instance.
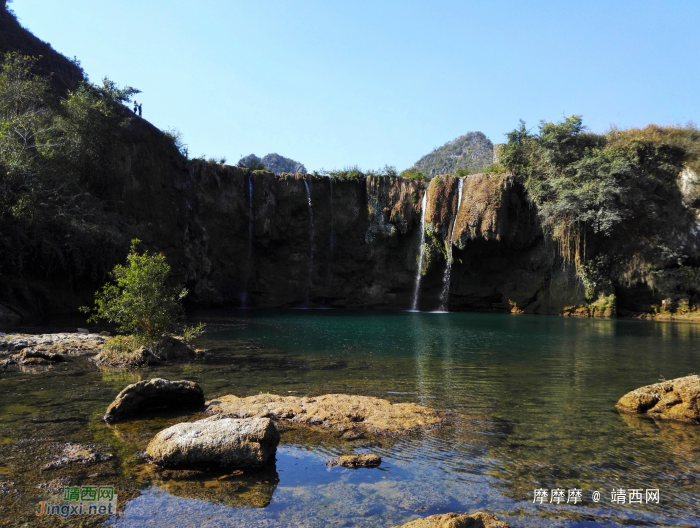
[533, 399]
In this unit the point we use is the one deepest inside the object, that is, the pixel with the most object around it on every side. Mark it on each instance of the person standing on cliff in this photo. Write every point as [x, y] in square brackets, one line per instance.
[136, 107]
[140, 110]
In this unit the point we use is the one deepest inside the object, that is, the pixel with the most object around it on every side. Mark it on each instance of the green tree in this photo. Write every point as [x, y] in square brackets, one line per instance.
[139, 300]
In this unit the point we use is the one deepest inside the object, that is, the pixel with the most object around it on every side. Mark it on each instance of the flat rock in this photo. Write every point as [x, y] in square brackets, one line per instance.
[368, 460]
[342, 412]
[154, 394]
[67, 344]
[78, 454]
[216, 442]
[677, 400]
[456, 520]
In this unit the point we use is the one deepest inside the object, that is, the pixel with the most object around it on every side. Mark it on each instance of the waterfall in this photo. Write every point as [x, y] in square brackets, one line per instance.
[444, 297]
[311, 241]
[245, 300]
[419, 271]
[331, 243]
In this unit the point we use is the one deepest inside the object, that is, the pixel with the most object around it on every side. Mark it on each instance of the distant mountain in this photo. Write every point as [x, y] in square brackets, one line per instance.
[472, 151]
[279, 164]
[272, 162]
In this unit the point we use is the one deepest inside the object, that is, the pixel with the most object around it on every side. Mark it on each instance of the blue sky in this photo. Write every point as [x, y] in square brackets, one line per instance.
[333, 83]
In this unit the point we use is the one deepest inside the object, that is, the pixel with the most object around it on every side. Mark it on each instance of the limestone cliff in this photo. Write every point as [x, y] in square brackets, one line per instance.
[239, 237]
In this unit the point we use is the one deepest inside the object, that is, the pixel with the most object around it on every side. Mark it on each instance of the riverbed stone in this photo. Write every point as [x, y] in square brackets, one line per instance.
[78, 454]
[367, 460]
[677, 400]
[456, 520]
[216, 442]
[342, 412]
[154, 394]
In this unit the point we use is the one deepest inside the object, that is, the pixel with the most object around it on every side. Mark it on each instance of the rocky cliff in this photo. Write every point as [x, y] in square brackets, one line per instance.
[237, 237]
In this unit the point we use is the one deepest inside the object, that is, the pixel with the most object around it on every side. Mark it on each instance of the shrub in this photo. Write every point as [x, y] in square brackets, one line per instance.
[139, 300]
[413, 173]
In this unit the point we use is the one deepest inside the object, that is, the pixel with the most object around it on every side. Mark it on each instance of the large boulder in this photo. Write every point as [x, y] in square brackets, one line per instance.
[456, 520]
[153, 394]
[677, 399]
[342, 412]
[216, 442]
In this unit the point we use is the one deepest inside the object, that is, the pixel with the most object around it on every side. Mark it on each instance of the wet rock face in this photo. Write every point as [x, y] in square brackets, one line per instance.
[368, 460]
[154, 394]
[677, 400]
[341, 412]
[216, 442]
[484, 210]
[455, 520]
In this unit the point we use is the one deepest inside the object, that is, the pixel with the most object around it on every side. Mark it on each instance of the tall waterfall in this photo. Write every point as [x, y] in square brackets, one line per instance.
[419, 271]
[245, 298]
[311, 241]
[331, 243]
[444, 297]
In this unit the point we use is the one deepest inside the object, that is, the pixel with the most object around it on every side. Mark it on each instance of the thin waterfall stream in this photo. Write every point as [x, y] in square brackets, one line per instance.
[311, 241]
[444, 296]
[419, 271]
[245, 297]
[331, 243]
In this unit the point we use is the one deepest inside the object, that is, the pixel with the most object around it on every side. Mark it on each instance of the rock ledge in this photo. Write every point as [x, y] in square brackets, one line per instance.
[342, 412]
[677, 400]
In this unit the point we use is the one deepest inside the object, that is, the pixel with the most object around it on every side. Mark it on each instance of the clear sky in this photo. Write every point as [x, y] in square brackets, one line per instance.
[333, 83]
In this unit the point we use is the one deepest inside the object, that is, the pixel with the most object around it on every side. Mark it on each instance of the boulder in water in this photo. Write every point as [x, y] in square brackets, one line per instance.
[216, 442]
[153, 394]
[677, 399]
[455, 520]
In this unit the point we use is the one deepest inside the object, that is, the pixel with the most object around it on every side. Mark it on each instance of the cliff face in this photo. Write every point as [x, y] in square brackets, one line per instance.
[256, 239]
[350, 243]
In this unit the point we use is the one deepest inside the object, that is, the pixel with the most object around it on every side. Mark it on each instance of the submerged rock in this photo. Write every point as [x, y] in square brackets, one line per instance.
[342, 412]
[368, 460]
[154, 394]
[216, 442]
[78, 454]
[456, 520]
[677, 399]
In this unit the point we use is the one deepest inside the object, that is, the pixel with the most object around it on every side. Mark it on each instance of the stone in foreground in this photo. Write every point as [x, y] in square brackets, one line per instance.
[342, 412]
[455, 520]
[677, 400]
[368, 460]
[153, 394]
[216, 442]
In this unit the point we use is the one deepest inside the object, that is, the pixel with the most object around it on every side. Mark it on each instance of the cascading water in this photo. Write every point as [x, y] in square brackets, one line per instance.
[444, 297]
[245, 301]
[311, 241]
[331, 243]
[419, 271]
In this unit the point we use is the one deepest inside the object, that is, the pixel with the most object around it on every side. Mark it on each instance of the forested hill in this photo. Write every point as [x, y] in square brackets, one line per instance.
[471, 152]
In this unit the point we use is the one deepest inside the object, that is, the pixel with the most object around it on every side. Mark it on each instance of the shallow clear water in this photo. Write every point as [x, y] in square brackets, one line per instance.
[533, 399]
